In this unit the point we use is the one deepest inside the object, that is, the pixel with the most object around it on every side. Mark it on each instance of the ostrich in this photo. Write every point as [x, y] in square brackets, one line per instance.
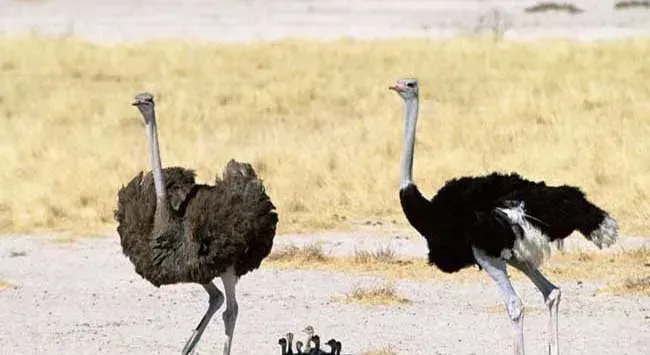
[309, 331]
[497, 220]
[334, 346]
[283, 345]
[299, 347]
[176, 231]
[316, 349]
[289, 336]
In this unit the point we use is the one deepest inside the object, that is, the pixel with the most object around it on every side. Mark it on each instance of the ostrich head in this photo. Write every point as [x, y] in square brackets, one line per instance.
[283, 343]
[332, 344]
[309, 330]
[144, 102]
[299, 346]
[406, 88]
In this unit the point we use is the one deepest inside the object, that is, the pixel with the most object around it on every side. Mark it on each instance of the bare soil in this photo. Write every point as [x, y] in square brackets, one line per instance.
[251, 20]
[83, 297]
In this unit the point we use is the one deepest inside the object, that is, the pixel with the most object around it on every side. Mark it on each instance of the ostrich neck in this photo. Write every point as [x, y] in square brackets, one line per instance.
[415, 206]
[411, 118]
[156, 167]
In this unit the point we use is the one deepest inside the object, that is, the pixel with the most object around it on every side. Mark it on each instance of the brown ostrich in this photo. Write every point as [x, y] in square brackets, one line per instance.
[177, 231]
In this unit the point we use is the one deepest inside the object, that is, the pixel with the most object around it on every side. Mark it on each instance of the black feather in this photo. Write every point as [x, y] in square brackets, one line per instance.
[463, 214]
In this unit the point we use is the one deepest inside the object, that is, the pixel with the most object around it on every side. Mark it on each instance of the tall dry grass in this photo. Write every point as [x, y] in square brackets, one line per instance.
[318, 123]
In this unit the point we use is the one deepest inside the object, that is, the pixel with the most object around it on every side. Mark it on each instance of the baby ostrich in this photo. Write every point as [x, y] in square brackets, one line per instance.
[299, 347]
[289, 336]
[283, 345]
[316, 350]
[176, 231]
[334, 346]
[309, 331]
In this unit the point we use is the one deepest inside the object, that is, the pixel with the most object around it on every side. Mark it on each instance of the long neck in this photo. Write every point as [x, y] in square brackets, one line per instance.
[411, 118]
[415, 206]
[156, 165]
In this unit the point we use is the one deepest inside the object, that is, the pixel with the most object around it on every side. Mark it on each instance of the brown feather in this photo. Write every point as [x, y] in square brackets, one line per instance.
[210, 227]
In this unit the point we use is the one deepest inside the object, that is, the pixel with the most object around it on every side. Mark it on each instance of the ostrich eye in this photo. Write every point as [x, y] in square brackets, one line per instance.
[411, 85]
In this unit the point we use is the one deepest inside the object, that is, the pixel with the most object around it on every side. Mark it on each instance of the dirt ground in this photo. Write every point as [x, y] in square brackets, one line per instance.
[84, 298]
[249, 20]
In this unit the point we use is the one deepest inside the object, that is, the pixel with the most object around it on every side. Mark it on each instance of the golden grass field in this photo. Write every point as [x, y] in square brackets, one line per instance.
[318, 123]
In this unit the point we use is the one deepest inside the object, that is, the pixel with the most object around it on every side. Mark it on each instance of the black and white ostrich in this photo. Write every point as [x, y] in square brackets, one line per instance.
[177, 231]
[496, 220]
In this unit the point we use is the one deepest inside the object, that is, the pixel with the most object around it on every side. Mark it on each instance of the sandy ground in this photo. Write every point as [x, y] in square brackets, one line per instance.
[85, 298]
[247, 20]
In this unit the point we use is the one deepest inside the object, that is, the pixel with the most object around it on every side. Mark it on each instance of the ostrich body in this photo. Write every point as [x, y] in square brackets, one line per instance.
[176, 231]
[497, 220]
[316, 349]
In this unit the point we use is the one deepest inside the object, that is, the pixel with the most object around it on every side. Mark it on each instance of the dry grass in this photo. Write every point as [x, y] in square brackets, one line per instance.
[554, 7]
[624, 5]
[292, 254]
[380, 294]
[318, 123]
[382, 255]
[500, 309]
[629, 268]
[383, 351]
[636, 285]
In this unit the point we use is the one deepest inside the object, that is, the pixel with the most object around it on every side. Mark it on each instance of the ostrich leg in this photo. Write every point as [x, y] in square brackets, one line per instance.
[216, 300]
[230, 314]
[551, 295]
[496, 268]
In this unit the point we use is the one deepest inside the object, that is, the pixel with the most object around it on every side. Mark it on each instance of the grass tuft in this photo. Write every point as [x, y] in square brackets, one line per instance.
[381, 294]
[389, 350]
[634, 4]
[381, 255]
[317, 121]
[310, 253]
[554, 7]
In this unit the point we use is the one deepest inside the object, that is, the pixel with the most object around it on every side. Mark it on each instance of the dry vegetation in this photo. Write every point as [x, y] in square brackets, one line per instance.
[636, 285]
[318, 123]
[500, 309]
[380, 294]
[307, 254]
[554, 7]
[382, 255]
[383, 351]
[625, 272]
[635, 4]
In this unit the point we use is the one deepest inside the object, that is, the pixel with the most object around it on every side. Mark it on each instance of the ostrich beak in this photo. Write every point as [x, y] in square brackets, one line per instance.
[396, 87]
